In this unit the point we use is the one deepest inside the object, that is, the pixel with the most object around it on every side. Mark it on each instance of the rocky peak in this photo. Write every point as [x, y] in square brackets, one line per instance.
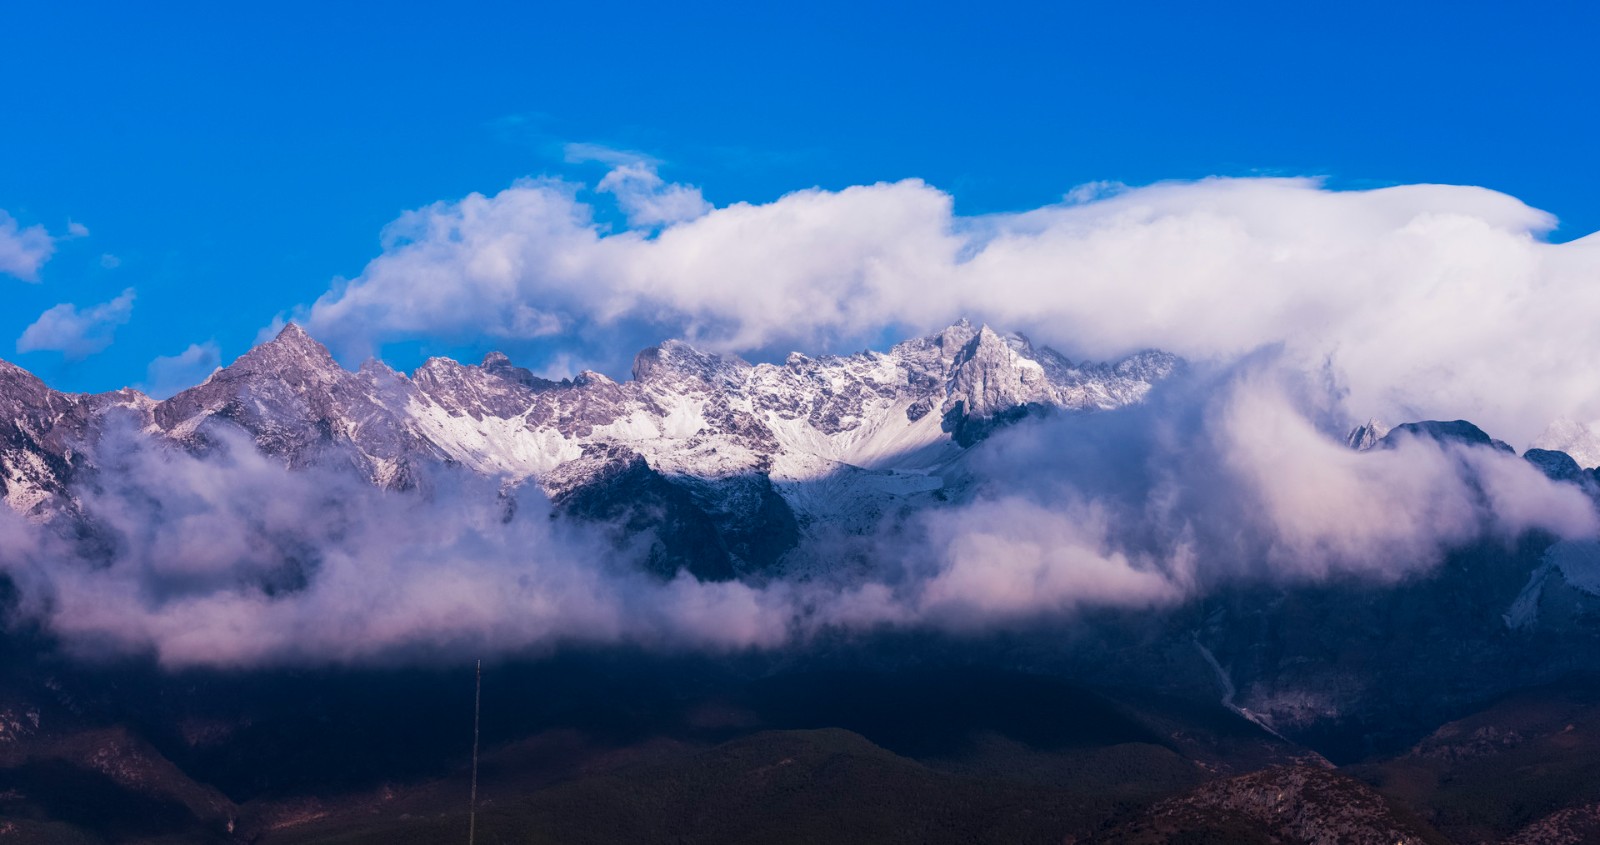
[292, 337]
[1556, 465]
[953, 339]
[1364, 437]
[292, 355]
[495, 387]
[288, 393]
[14, 380]
[988, 345]
[1454, 431]
[375, 369]
[496, 363]
[674, 360]
[27, 401]
[125, 397]
[1149, 365]
[989, 374]
[436, 368]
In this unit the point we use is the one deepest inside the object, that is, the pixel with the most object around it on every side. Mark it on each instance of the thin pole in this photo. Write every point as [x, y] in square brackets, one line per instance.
[472, 807]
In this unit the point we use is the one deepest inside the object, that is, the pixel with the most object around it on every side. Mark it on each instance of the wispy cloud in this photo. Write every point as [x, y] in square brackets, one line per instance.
[74, 333]
[586, 152]
[23, 250]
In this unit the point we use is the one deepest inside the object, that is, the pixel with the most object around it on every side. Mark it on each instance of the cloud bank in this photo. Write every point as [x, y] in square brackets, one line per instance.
[229, 559]
[1418, 301]
[232, 560]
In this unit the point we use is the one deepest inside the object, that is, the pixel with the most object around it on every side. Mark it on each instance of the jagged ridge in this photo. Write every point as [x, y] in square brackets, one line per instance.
[742, 458]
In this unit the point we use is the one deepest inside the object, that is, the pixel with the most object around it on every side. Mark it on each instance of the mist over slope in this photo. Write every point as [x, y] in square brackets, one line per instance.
[289, 510]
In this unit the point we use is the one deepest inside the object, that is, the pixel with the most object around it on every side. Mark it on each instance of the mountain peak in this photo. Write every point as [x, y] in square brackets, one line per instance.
[499, 364]
[993, 348]
[292, 349]
[951, 340]
[13, 376]
[292, 334]
[378, 369]
[675, 357]
[1365, 437]
[1452, 431]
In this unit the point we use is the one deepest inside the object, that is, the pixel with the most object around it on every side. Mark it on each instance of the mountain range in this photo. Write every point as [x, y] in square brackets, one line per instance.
[729, 462]
[1387, 708]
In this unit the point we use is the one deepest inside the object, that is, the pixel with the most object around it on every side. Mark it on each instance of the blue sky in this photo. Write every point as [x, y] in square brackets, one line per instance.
[228, 161]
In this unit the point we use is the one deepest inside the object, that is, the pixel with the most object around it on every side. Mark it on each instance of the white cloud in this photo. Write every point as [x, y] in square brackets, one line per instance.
[584, 152]
[23, 250]
[1420, 300]
[169, 374]
[1016, 557]
[232, 559]
[648, 201]
[77, 334]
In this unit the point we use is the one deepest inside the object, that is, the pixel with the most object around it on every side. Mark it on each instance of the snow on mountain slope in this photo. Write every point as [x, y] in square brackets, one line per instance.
[897, 414]
[838, 438]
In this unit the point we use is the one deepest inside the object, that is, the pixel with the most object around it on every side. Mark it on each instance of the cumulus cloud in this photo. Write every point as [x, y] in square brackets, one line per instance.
[77, 334]
[647, 200]
[1419, 300]
[23, 250]
[168, 374]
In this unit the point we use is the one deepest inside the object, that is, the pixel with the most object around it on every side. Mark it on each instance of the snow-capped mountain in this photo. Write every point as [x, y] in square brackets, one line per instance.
[734, 459]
